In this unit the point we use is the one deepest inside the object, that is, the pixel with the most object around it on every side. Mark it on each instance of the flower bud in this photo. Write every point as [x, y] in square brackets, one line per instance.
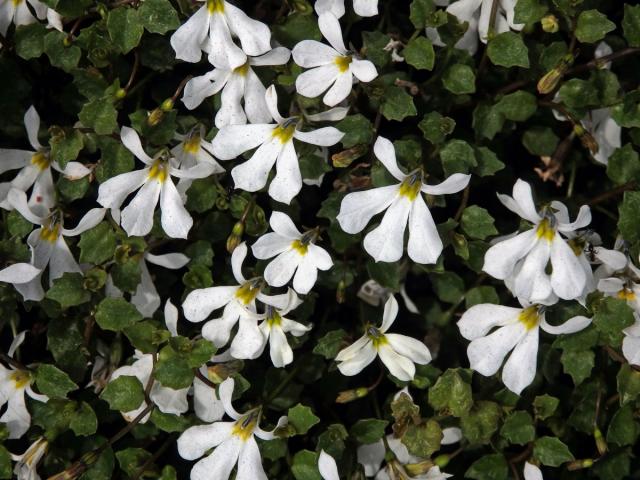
[416, 469]
[601, 443]
[550, 23]
[588, 141]
[155, 117]
[341, 292]
[120, 93]
[235, 238]
[167, 105]
[550, 80]
[344, 158]
[302, 6]
[347, 396]
[442, 460]
[580, 464]
[67, 41]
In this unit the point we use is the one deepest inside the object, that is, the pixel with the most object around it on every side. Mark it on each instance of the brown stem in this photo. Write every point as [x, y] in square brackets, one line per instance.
[612, 193]
[181, 87]
[204, 379]
[154, 457]
[619, 358]
[490, 32]
[14, 363]
[134, 71]
[598, 62]
[463, 204]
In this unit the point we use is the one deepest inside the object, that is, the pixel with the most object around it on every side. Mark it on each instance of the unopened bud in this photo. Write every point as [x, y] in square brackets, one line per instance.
[601, 443]
[155, 117]
[588, 141]
[347, 396]
[549, 81]
[341, 292]
[238, 229]
[67, 41]
[121, 93]
[235, 238]
[580, 464]
[302, 6]
[550, 23]
[442, 460]
[416, 469]
[346, 157]
[167, 105]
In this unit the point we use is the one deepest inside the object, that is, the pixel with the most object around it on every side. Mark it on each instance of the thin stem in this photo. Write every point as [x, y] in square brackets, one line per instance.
[463, 204]
[134, 71]
[490, 32]
[612, 193]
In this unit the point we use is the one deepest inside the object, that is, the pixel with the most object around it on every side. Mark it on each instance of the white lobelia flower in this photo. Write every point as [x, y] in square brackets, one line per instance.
[525, 256]
[153, 183]
[517, 330]
[27, 463]
[275, 145]
[211, 30]
[230, 442]
[327, 466]
[399, 353]
[238, 84]
[332, 67]
[295, 252]
[18, 13]
[146, 298]
[47, 243]
[404, 204]
[14, 383]
[275, 326]
[532, 472]
[239, 307]
[35, 167]
[167, 399]
[364, 8]
[477, 13]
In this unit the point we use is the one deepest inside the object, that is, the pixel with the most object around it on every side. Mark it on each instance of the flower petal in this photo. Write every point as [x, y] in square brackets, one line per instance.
[199, 88]
[250, 462]
[306, 275]
[131, 140]
[281, 269]
[137, 217]
[255, 105]
[323, 137]
[237, 258]
[501, 258]
[386, 242]
[269, 245]
[327, 466]
[363, 70]
[287, 182]
[330, 28]
[340, 89]
[255, 36]
[62, 260]
[279, 349]
[400, 367]
[233, 140]
[386, 153]
[314, 82]
[520, 369]
[532, 282]
[357, 208]
[223, 52]
[231, 111]
[249, 341]
[478, 320]
[366, 8]
[532, 472]
[358, 360]
[201, 302]
[567, 277]
[92, 218]
[487, 353]
[425, 245]
[195, 441]
[19, 273]
[220, 462]
[573, 325]
[115, 190]
[187, 41]
[453, 184]
[413, 349]
[176, 221]
[252, 175]
[173, 261]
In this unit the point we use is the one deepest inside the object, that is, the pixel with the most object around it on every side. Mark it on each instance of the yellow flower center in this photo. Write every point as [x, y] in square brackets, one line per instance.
[50, 232]
[273, 317]
[17, 2]
[377, 337]
[529, 317]
[248, 292]
[300, 247]
[545, 230]
[410, 187]
[21, 378]
[215, 6]
[626, 294]
[245, 425]
[577, 245]
[343, 63]
[284, 133]
[242, 69]
[192, 144]
[158, 171]
[40, 159]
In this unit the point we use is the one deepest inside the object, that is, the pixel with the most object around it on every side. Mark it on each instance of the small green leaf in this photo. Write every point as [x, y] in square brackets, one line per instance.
[545, 406]
[623, 428]
[99, 114]
[368, 430]
[459, 79]
[419, 12]
[624, 165]
[451, 393]
[69, 290]
[357, 130]
[158, 16]
[116, 313]
[305, 466]
[631, 24]
[397, 104]
[61, 55]
[30, 40]
[172, 369]
[530, 11]
[419, 53]
[517, 106]
[125, 393]
[435, 127]
[489, 467]
[628, 381]
[53, 382]
[518, 428]
[84, 421]
[477, 223]
[592, 26]
[508, 50]
[612, 315]
[98, 244]
[551, 451]
[125, 28]
[330, 344]
[302, 418]
[457, 156]
[65, 146]
[578, 364]
[423, 439]
[479, 425]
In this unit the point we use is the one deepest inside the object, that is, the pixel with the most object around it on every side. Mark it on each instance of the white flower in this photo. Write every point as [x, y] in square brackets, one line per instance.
[27, 463]
[373, 293]
[477, 13]
[146, 298]
[275, 326]
[47, 244]
[517, 330]
[35, 166]
[17, 12]
[397, 352]
[275, 145]
[211, 29]
[532, 472]
[333, 66]
[167, 399]
[232, 442]
[295, 252]
[154, 182]
[404, 204]
[327, 466]
[525, 256]
[364, 8]
[239, 307]
[238, 84]
[14, 384]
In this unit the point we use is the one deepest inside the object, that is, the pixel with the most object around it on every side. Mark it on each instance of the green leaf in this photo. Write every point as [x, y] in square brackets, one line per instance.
[124, 394]
[419, 53]
[482, 294]
[368, 430]
[99, 114]
[541, 141]
[60, 55]
[115, 159]
[419, 12]
[551, 451]
[477, 223]
[530, 11]
[578, 93]
[451, 393]
[297, 27]
[158, 16]
[330, 344]
[53, 382]
[172, 370]
[623, 428]
[18, 225]
[459, 79]
[624, 165]
[517, 106]
[386, 274]
[457, 156]
[132, 460]
[423, 439]
[592, 26]
[305, 466]
[69, 290]
[545, 406]
[202, 195]
[116, 313]
[357, 130]
[373, 44]
[449, 286]
[98, 244]
[125, 28]
[6, 470]
[30, 40]
[578, 364]
[631, 24]
[612, 315]
[489, 467]
[479, 425]
[397, 104]
[508, 50]
[84, 421]
[488, 162]
[65, 146]
[628, 382]
[518, 428]
[435, 127]
[302, 418]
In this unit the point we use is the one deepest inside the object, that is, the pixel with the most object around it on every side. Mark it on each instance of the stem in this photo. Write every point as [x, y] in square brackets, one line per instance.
[134, 71]
[612, 193]
[463, 203]
[598, 62]
[285, 381]
[14, 363]
[181, 87]
[204, 379]
[490, 33]
[154, 457]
